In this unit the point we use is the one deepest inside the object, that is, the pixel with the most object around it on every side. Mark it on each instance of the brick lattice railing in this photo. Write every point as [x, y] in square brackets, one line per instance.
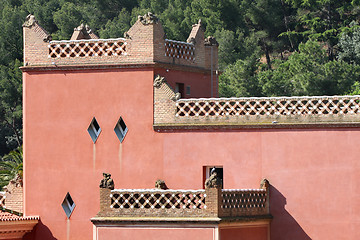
[268, 106]
[87, 48]
[156, 199]
[177, 49]
[211, 202]
[253, 112]
[244, 202]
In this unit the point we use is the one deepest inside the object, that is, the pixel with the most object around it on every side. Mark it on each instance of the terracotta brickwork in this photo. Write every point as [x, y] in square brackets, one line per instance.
[253, 112]
[164, 102]
[211, 202]
[144, 43]
[13, 195]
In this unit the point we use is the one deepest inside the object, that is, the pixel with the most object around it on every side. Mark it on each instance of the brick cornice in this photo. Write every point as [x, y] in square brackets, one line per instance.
[113, 66]
[227, 126]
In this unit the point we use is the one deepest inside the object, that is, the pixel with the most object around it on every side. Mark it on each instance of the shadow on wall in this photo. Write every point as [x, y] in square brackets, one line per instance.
[283, 225]
[40, 231]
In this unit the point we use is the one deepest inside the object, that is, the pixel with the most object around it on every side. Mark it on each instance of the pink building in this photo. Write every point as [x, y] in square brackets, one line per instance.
[111, 105]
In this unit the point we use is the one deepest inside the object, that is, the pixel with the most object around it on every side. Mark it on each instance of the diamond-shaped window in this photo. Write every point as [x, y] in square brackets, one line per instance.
[121, 129]
[94, 129]
[68, 205]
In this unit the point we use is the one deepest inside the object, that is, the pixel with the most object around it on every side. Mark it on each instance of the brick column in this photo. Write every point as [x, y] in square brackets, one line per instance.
[105, 200]
[213, 201]
[164, 102]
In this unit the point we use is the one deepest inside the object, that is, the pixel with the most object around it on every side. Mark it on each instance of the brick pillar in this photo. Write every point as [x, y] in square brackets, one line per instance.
[213, 201]
[36, 39]
[164, 102]
[197, 36]
[105, 200]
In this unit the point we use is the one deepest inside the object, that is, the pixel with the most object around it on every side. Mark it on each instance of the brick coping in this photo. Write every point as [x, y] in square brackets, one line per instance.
[183, 220]
[114, 66]
[236, 126]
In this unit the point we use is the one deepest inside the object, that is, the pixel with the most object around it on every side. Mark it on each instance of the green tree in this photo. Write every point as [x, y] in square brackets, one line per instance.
[66, 19]
[11, 20]
[309, 72]
[116, 27]
[240, 79]
[349, 44]
[323, 20]
[265, 20]
[11, 102]
[11, 165]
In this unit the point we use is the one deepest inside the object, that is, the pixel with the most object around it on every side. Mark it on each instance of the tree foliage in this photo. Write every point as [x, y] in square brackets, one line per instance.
[11, 165]
[267, 47]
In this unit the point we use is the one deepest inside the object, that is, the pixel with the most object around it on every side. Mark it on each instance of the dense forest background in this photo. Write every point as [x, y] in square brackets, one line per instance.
[267, 47]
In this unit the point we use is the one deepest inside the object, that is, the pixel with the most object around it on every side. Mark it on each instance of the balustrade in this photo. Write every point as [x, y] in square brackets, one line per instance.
[268, 106]
[87, 48]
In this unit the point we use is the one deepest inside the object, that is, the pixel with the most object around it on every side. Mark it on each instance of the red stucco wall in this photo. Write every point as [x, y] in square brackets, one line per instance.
[140, 233]
[314, 173]
[200, 83]
[244, 233]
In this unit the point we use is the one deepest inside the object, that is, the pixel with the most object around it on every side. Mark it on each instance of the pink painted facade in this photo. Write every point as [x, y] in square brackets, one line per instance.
[313, 170]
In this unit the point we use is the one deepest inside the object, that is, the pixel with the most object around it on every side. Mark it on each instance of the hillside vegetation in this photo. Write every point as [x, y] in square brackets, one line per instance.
[267, 47]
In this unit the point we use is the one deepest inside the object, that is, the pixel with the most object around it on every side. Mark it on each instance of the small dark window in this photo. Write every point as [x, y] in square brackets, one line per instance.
[121, 129]
[218, 170]
[96, 125]
[68, 205]
[122, 124]
[179, 88]
[94, 130]
[188, 90]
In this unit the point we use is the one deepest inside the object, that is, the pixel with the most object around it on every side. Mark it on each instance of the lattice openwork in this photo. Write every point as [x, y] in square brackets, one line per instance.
[87, 48]
[244, 199]
[336, 105]
[159, 199]
[2, 199]
[178, 49]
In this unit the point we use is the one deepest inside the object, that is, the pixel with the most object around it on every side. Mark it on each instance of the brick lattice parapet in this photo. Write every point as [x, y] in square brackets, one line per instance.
[144, 44]
[252, 112]
[212, 202]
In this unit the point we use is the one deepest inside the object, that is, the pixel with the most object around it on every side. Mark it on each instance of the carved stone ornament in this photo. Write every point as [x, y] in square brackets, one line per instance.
[213, 181]
[264, 184]
[148, 18]
[211, 41]
[84, 28]
[191, 40]
[160, 184]
[107, 182]
[158, 81]
[48, 38]
[126, 35]
[176, 97]
[29, 21]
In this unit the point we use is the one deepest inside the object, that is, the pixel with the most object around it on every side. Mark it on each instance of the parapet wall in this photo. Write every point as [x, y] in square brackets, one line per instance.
[265, 112]
[210, 202]
[144, 43]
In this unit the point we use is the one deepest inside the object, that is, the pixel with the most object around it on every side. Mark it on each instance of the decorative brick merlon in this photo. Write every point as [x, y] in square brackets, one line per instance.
[144, 43]
[83, 32]
[29, 21]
